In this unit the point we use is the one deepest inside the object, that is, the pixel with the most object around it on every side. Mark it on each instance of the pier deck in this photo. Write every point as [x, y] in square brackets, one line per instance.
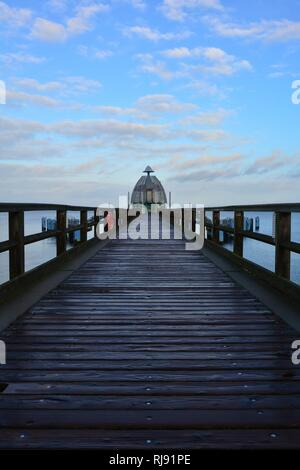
[148, 345]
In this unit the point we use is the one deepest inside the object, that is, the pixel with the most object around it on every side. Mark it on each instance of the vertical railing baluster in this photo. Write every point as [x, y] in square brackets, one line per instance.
[194, 213]
[84, 229]
[96, 220]
[238, 236]
[283, 235]
[61, 222]
[117, 222]
[16, 253]
[215, 230]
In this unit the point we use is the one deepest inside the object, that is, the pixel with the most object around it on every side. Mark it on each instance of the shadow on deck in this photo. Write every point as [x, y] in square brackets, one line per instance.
[149, 345]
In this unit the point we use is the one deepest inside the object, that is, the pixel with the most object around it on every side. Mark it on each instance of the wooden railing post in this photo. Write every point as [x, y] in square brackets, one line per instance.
[61, 222]
[194, 213]
[117, 222]
[238, 236]
[105, 221]
[83, 230]
[16, 234]
[283, 235]
[96, 219]
[215, 230]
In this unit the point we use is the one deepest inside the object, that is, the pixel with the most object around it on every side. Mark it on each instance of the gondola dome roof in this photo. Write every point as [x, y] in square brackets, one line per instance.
[148, 183]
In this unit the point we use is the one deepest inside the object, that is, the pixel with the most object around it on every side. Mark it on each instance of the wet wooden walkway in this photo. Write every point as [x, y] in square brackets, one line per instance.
[149, 345]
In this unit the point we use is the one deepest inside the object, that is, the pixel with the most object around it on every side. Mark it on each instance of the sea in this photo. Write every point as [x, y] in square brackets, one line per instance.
[42, 251]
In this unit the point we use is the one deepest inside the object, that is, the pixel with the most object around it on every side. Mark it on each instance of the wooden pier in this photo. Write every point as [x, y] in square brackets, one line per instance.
[148, 345]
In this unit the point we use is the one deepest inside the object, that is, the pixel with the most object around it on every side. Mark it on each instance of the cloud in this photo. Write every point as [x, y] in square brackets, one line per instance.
[156, 67]
[271, 163]
[14, 17]
[177, 10]
[93, 53]
[66, 87]
[50, 31]
[266, 30]
[209, 118]
[21, 98]
[139, 4]
[149, 107]
[208, 135]
[206, 89]
[105, 128]
[207, 175]
[33, 84]
[79, 84]
[203, 161]
[163, 104]
[153, 34]
[218, 62]
[57, 4]
[19, 57]
[115, 110]
[181, 53]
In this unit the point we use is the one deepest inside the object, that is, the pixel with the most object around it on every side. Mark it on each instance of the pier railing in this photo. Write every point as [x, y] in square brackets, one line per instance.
[281, 240]
[17, 240]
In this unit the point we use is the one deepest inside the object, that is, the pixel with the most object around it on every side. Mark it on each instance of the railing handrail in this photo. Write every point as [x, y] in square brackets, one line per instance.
[281, 239]
[283, 207]
[27, 207]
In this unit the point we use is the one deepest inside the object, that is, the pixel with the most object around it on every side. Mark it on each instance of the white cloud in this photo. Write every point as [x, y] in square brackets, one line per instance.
[181, 53]
[208, 135]
[208, 118]
[179, 163]
[177, 10]
[107, 128]
[20, 57]
[33, 84]
[276, 160]
[218, 62]
[103, 54]
[139, 4]
[153, 34]
[210, 60]
[14, 17]
[93, 53]
[149, 107]
[50, 31]
[66, 85]
[267, 30]
[57, 4]
[156, 67]
[163, 104]
[21, 98]
[81, 84]
[204, 88]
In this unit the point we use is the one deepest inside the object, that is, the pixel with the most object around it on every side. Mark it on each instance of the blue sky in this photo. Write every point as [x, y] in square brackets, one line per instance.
[199, 89]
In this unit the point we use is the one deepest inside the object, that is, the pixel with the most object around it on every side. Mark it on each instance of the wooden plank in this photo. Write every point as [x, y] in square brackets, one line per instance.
[153, 389]
[150, 376]
[152, 419]
[170, 402]
[277, 438]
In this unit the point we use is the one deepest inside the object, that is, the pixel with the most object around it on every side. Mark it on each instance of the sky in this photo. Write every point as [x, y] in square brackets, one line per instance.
[201, 90]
